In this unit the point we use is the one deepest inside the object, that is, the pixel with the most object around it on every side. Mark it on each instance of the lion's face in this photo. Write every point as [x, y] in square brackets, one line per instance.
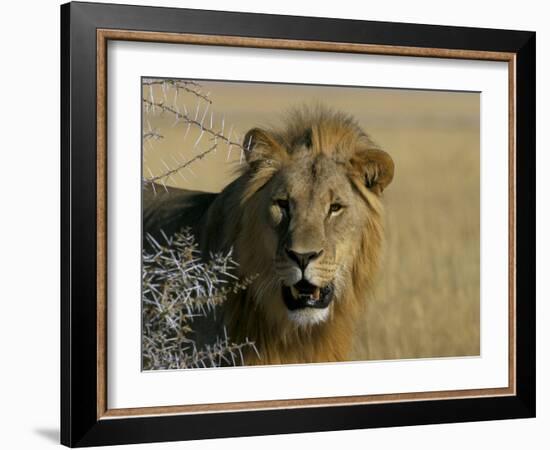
[313, 201]
[313, 217]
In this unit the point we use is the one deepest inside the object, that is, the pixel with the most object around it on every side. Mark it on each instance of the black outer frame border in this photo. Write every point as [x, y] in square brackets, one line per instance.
[79, 424]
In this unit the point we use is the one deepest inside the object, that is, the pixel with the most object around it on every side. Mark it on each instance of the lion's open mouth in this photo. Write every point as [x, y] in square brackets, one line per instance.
[306, 295]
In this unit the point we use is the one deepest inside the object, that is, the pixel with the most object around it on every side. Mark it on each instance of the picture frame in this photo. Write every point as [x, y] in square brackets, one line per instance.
[86, 29]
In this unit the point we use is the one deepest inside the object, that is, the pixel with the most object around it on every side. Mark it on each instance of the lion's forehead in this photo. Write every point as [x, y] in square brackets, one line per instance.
[320, 175]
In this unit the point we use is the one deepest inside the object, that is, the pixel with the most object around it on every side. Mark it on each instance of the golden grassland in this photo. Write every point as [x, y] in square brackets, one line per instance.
[426, 303]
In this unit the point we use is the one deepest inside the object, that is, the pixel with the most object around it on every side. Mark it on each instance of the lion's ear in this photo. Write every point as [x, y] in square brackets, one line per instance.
[375, 166]
[261, 145]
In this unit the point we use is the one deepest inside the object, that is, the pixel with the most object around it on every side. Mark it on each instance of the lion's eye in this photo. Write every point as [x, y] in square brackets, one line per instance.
[283, 204]
[335, 207]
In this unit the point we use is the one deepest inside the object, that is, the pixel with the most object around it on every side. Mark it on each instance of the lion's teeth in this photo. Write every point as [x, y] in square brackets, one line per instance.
[294, 292]
[316, 293]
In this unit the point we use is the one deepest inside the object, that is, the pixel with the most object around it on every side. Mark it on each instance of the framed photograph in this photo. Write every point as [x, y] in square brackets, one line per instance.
[276, 224]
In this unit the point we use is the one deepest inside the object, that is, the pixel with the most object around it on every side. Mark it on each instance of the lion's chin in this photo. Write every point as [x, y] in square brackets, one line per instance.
[307, 317]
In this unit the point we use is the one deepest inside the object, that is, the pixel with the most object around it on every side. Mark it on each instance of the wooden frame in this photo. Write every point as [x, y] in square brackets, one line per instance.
[86, 418]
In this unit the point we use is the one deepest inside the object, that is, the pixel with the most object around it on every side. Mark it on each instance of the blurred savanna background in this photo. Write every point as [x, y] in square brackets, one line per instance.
[427, 299]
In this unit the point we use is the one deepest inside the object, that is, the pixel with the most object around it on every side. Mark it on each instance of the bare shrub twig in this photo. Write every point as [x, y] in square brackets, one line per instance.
[180, 287]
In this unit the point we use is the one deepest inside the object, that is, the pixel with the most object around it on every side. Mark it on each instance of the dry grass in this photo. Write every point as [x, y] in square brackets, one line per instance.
[427, 301]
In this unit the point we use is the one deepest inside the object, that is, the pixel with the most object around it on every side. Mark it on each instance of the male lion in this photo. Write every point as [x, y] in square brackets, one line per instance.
[305, 218]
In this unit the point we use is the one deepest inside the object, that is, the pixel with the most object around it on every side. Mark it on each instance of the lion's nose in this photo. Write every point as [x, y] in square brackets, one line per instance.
[303, 259]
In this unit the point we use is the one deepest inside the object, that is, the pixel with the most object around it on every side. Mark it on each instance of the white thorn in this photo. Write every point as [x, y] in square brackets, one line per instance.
[197, 111]
[198, 139]
[204, 115]
[228, 153]
[187, 130]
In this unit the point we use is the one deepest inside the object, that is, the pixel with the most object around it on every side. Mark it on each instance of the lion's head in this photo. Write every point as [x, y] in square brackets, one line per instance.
[306, 217]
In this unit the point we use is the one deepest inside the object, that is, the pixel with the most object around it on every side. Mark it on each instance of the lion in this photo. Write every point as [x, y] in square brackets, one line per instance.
[305, 218]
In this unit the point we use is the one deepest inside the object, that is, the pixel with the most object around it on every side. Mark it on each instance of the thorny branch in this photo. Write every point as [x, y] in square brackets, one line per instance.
[184, 117]
[178, 286]
[193, 121]
[183, 85]
[198, 122]
[181, 166]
